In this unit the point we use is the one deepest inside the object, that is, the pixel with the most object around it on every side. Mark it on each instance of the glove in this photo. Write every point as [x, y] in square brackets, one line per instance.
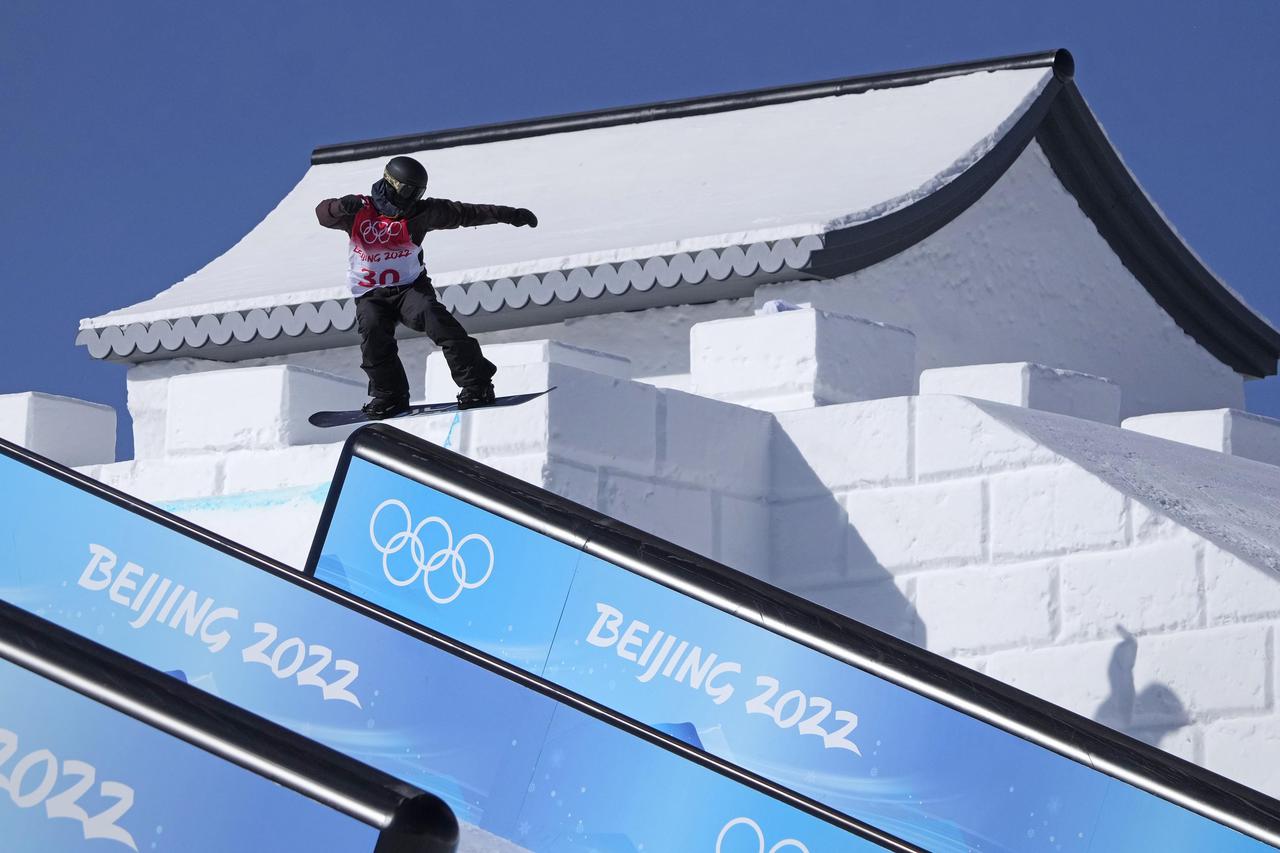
[523, 216]
[350, 204]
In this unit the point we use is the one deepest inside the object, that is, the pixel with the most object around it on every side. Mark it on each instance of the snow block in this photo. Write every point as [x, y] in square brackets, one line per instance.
[1074, 676]
[1022, 595]
[148, 388]
[1237, 591]
[887, 605]
[1228, 431]
[1146, 589]
[909, 527]
[808, 541]
[1032, 386]
[742, 535]
[1246, 750]
[596, 416]
[156, 480]
[590, 419]
[1150, 525]
[954, 436]
[66, 430]
[279, 525]
[441, 387]
[287, 468]
[712, 444]
[832, 448]
[681, 515]
[800, 359]
[254, 407]
[1215, 671]
[578, 484]
[1054, 510]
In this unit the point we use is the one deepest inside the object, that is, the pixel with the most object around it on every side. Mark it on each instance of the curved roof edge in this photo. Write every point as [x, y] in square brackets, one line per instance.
[1078, 151]
[706, 276]
[1060, 61]
[1202, 306]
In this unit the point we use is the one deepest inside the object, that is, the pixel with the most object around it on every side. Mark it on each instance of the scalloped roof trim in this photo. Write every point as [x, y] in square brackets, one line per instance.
[523, 269]
[488, 296]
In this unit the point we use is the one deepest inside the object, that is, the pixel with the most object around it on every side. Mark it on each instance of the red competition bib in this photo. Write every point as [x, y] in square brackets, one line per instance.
[381, 253]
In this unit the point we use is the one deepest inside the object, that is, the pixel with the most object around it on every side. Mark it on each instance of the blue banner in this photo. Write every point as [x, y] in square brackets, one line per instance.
[75, 775]
[509, 760]
[872, 750]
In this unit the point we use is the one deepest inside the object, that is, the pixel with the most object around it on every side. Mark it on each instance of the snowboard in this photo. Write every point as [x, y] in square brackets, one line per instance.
[355, 416]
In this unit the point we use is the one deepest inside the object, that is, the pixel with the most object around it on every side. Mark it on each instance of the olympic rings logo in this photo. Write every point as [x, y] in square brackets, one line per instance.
[449, 553]
[380, 231]
[753, 828]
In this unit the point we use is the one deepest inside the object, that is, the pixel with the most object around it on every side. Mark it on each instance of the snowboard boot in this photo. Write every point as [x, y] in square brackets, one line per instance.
[475, 396]
[380, 408]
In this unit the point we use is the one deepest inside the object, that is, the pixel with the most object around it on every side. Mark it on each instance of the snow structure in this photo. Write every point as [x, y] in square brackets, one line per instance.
[1003, 422]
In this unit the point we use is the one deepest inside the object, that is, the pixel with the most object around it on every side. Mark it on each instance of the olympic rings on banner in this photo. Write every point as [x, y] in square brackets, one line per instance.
[785, 844]
[450, 553]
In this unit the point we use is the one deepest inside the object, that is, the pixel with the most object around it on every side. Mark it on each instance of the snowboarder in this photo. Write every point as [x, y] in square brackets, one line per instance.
[389, 280]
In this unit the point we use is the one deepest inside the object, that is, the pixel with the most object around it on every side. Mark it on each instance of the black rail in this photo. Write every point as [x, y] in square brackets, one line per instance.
[969, 692]
[407, 819]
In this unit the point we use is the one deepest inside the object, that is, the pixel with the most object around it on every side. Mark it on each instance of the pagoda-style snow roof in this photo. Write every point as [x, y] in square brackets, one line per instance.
[690, 201]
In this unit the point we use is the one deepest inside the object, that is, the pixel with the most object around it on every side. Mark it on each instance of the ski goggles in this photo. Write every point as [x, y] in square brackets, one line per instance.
[403, 192]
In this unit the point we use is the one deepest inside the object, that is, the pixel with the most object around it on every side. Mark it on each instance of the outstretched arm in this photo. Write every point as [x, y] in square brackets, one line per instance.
[339, 213]
[438, 214]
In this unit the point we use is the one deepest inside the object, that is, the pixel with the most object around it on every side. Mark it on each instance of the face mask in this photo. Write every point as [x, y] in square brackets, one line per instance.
[387, 202]
[403, 194]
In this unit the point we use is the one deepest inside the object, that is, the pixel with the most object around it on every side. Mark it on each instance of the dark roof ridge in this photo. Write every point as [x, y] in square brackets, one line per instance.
[1091, 170]
[1059, 60]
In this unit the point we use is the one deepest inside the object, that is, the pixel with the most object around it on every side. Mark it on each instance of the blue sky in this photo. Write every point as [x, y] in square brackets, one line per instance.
[143, 139]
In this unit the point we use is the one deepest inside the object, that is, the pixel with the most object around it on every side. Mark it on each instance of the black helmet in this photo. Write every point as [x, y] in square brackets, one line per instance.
[406, 180]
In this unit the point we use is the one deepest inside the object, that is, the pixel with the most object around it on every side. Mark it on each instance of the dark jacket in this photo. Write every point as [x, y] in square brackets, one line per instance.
[428, 214]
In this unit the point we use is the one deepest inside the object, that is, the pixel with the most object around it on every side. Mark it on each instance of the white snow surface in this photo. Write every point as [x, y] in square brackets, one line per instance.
[634, 191]
[1232, 502]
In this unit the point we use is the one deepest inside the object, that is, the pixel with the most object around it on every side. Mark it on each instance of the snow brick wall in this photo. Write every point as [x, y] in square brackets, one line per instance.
[998, 517]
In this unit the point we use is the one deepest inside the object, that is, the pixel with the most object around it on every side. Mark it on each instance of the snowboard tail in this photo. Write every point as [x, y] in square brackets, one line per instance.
[355, 416]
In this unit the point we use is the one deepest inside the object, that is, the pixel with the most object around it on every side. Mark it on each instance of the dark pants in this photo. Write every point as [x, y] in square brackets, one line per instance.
[415, 305]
